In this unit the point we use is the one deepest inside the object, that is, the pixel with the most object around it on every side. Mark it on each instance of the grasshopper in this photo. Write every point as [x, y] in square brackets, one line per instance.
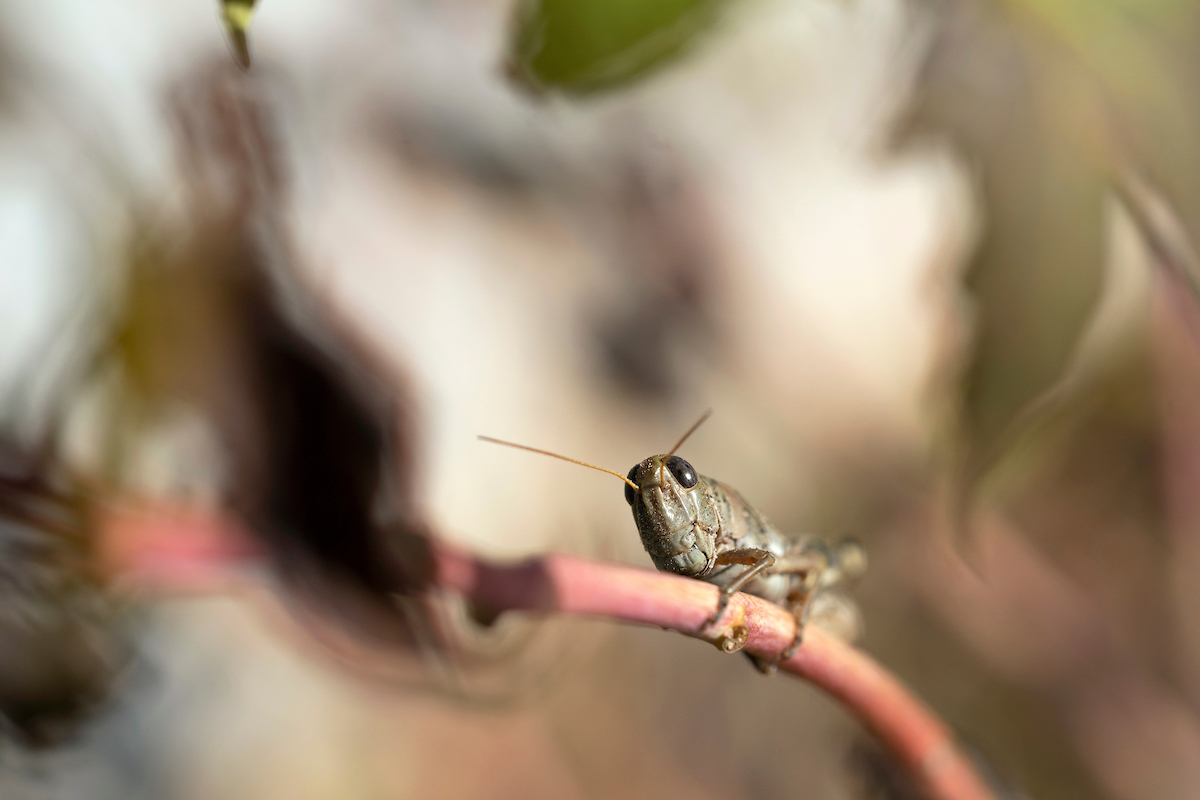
[696, 526]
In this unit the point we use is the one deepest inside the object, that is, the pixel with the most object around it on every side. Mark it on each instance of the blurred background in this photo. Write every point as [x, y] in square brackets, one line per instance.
[266, 272]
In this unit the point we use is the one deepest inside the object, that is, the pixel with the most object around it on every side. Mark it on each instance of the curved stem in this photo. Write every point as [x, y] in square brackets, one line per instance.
[567, 585]
[161, 543]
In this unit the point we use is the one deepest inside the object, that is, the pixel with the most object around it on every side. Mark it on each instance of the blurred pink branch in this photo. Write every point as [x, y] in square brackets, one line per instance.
[568, 585]
[1033, 624]
[166, 547]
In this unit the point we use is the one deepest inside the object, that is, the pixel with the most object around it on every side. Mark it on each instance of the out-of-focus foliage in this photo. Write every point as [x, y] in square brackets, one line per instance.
[1056, 106]
[312, 436]
[1073, 452]
[584, 46]
[237, 15]
[57, 651]
[587, 277]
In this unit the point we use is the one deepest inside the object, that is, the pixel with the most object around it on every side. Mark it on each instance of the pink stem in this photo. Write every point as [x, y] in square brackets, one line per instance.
[567, 585]
[158, 544]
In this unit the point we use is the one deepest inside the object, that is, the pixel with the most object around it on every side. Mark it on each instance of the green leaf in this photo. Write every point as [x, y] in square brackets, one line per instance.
[1029, 121]
[1058, 106]
[584, 46]
[237, 15]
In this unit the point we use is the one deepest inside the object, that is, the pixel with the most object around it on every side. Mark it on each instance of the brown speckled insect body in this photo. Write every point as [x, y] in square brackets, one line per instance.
[696, 526]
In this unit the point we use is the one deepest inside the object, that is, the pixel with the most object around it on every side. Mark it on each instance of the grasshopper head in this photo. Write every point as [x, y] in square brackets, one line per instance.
[667, 510]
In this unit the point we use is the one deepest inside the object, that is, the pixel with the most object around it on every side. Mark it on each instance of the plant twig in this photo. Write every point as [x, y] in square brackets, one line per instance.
[566, 585]
[156, 544]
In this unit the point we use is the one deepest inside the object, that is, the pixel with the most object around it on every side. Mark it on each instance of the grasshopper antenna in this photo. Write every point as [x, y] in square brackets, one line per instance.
[564, 458]
[690, 431]
[679, 444]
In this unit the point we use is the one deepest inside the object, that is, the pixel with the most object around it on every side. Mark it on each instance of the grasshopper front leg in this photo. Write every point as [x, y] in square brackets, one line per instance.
[758, 560]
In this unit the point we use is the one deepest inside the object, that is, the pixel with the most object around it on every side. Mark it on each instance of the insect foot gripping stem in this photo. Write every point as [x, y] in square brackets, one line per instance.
[729, 637]
[758, 560]
[733, 639]
[722, 604]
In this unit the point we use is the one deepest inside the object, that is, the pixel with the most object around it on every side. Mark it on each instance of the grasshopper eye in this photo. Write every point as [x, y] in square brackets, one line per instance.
[629, 493]
[683, 471]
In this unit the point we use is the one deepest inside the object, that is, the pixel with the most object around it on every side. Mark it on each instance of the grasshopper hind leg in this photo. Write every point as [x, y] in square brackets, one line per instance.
[799, 609]
[831, 611]
[817, 568]
[799, 603]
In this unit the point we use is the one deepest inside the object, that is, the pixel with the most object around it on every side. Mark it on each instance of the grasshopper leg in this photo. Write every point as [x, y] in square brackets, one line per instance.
[800, 603]
[810, 567]
[844, 563]
[758, 560]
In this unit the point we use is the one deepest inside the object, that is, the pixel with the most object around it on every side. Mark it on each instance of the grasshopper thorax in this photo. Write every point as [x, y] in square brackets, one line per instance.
[674, 517]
